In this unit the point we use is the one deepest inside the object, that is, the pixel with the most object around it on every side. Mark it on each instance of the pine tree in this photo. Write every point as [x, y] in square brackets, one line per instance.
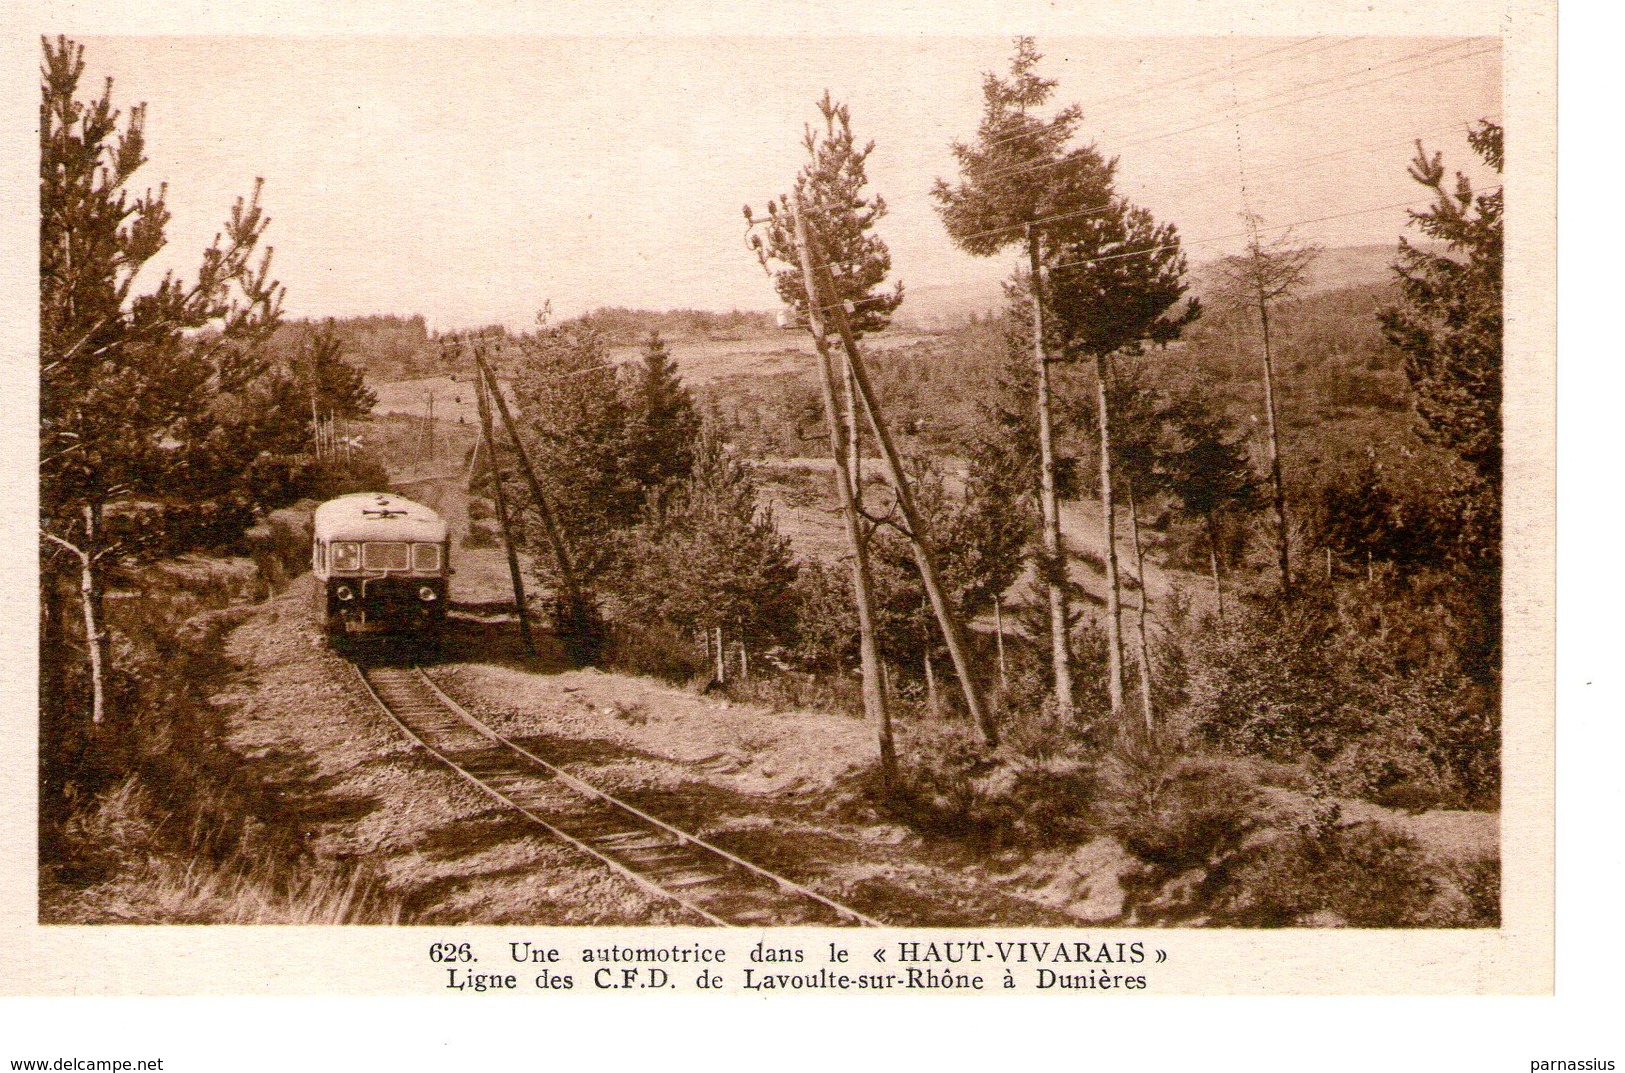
[664, 425]
[1448, 323]
[575, 425]
[1022, 181]
[129, 384]
[831, 186]
[1200, 460]
[710, 556]
[1449, 319]
[854, 263]
[337, 388]
[1115, 286]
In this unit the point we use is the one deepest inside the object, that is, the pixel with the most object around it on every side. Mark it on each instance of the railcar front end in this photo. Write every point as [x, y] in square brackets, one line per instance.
[382, 562]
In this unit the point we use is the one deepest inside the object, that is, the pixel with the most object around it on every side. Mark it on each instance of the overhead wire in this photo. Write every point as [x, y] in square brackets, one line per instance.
[1409, 203]
[1289, 101]
[1289, 95]
[1295, 100]
[1408, 64]
[1141, 95]
[1285, 166]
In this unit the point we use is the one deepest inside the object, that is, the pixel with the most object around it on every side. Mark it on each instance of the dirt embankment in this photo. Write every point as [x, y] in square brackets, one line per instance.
[774, 787]
[365, 794]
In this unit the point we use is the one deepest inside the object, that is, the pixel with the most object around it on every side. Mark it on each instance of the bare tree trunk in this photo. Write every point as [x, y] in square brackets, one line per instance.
[874, 696]
[1145, 611]
[930, 684]
[1054, 569]
[1114, 610]
[90, 595]
[1278, 488]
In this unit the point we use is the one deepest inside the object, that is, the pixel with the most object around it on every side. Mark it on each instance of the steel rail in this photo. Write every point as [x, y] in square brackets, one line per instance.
[728, 862]
[486, 788]
[590, 790]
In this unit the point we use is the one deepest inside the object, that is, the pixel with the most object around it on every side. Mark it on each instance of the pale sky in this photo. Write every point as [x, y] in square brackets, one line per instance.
[472, 179]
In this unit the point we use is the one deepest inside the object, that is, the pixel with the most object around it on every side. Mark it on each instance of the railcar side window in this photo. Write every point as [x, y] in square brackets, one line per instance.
[384, 555]
[346, 556]
[425, 556]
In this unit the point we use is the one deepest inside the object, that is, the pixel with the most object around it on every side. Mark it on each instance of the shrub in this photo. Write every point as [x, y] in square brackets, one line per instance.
[1363, 685]
[658, 650]
[480, 536]
[950, 786]
[1176, 811]
[1363, 875]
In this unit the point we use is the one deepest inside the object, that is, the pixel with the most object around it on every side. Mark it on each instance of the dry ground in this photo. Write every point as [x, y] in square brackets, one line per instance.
[771, 786]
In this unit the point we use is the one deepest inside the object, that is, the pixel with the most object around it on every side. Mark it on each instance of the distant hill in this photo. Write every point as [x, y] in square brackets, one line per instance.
[627, 327]
[936, 306]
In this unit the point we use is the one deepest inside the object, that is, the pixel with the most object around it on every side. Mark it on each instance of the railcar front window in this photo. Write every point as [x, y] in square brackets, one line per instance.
[346, 556]
[377, 555]
[425, 556]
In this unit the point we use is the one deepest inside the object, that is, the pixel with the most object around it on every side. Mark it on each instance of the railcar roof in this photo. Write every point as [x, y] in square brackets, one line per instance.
[378, 516]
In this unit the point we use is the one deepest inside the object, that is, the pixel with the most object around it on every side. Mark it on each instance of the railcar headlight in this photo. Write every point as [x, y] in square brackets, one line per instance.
[427, 594]
[345, 593]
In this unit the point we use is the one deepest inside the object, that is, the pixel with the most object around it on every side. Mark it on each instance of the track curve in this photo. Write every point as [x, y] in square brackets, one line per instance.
[708, 881]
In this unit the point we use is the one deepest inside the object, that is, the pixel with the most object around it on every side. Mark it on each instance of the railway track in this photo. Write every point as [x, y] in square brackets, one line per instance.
[708, 881]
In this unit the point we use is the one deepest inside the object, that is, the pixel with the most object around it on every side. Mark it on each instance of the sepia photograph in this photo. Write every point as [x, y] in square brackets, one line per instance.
[651, 507]
[953, 482]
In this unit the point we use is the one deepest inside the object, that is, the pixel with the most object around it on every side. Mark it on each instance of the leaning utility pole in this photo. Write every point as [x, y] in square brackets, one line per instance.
[1054, 564]
[874, 695]
[502, 518]
[953, 636]
[575, 605]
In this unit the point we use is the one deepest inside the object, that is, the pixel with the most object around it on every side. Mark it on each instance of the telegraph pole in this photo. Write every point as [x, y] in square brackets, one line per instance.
[918, 539]
[502, 518]
[574, 599]
[429, 432]
[874, 695]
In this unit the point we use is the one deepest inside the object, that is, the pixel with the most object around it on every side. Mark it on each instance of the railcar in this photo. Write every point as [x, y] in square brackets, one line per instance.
[382, 564]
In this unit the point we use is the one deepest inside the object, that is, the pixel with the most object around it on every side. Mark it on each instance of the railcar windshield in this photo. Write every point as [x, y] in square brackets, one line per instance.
[346, 556]
[425, 556]
[379, 555]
